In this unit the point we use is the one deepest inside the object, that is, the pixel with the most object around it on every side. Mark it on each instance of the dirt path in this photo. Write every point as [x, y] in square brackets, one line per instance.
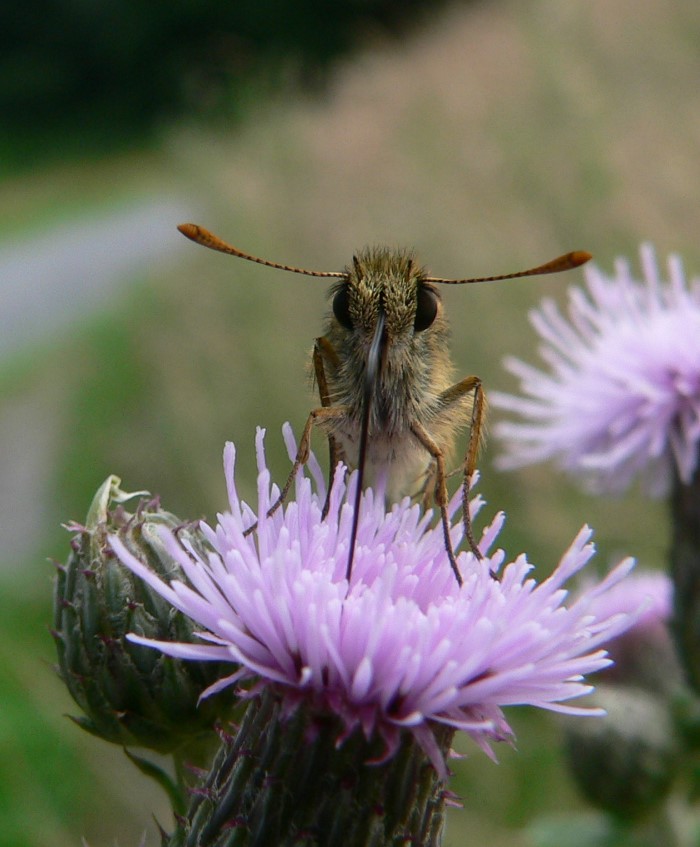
[47, 283]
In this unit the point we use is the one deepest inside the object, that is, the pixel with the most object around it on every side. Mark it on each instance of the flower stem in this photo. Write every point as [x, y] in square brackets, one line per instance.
[685, 571]
[282, 781]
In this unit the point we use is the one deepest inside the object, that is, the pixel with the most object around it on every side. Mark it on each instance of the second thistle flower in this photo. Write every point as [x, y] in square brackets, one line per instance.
[620, 399]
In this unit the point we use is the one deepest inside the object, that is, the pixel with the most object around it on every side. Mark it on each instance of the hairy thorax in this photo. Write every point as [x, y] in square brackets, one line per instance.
[408, 392]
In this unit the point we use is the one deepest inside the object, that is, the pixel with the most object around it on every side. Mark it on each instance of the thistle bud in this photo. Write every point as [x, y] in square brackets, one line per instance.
[130, 695]
[625, 762]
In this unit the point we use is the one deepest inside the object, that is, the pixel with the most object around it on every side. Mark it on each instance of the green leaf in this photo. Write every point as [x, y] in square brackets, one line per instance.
[166, 782]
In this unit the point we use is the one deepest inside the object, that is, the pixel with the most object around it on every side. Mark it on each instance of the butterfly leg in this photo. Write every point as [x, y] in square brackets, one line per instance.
[323, 349]
[441, 497]
[456, 393]
[316, 417]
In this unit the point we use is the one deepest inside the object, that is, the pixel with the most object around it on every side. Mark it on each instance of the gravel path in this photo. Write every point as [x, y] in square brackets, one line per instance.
[51, 280]
[47, 283]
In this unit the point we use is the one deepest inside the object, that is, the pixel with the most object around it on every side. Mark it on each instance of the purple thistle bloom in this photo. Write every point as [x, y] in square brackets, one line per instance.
[649, 596]
[401, 648]
[643, 655]
[621, 396]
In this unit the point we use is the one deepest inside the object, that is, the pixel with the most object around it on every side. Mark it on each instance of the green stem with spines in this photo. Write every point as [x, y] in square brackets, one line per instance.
[283, 781]
[685, 572]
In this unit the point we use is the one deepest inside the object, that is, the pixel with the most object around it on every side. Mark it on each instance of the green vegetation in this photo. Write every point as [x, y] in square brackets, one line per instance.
[100, 76]
[498, 136]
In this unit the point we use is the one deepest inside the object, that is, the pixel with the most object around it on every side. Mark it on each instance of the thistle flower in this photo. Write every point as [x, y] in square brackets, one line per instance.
[643, 655]
[649, 596]
[400, 650]
[621, 397]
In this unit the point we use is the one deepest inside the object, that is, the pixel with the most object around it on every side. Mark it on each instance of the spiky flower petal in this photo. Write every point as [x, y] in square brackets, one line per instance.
[402, 647]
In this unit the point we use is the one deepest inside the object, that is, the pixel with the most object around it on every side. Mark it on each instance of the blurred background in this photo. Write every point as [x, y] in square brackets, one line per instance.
[488, 135]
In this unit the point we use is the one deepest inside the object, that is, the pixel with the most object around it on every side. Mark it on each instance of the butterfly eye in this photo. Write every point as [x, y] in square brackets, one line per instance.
[341, 307]
[426, 308]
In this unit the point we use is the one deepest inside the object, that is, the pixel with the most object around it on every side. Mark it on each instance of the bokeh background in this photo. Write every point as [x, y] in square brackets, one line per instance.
[488, 135]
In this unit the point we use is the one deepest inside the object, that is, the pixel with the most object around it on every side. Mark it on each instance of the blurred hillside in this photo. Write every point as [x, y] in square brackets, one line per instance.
[490, 137]
[96, 75]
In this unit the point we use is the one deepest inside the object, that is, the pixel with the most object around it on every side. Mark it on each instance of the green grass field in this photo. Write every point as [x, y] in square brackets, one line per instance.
[499, 136]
